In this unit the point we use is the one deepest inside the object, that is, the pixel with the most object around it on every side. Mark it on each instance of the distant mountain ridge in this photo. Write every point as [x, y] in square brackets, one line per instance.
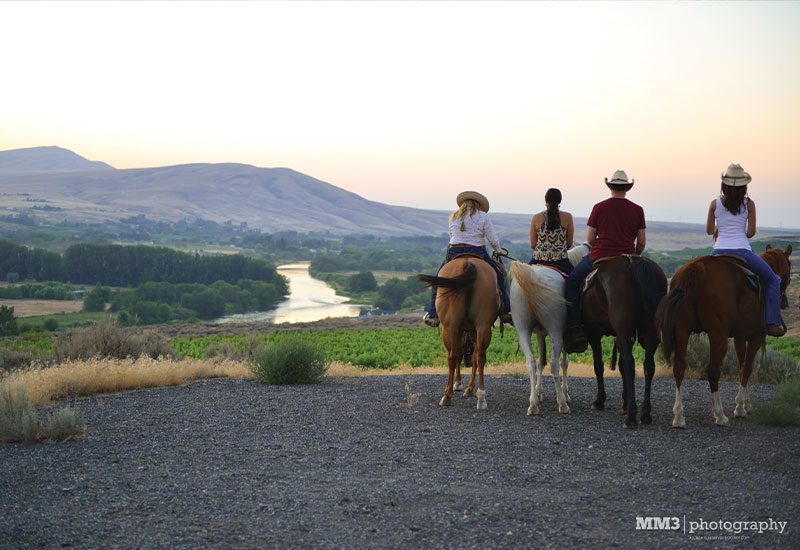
[46, 159]
[271, 199]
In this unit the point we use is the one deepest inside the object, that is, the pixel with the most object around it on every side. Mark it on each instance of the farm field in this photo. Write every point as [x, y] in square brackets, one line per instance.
[33, 308]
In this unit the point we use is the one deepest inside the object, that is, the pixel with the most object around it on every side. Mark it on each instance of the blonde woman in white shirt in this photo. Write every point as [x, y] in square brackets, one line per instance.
[469, 228]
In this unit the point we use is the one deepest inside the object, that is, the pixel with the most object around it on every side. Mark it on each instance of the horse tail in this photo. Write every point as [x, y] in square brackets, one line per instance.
[614, 356]
[452, 284]
[683, 290]
[538, 295]
[651, 284]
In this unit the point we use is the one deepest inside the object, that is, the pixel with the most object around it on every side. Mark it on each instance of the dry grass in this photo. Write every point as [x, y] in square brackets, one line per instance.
[31, 308]
[81, 378]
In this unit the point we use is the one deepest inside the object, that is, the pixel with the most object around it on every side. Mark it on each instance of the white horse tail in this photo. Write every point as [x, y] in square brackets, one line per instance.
[538, 295]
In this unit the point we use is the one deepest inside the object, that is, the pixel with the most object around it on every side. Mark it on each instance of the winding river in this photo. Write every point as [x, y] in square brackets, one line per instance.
[309, 300]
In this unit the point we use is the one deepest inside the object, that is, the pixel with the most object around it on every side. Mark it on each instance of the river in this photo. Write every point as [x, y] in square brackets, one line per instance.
[309, 300]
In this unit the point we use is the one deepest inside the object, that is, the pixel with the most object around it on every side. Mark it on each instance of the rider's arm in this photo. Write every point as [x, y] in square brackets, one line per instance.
[751, 219]
[711, 221]
[491, 236]
[570, 231]
[591, 235]
[534, 229]
[641, 241]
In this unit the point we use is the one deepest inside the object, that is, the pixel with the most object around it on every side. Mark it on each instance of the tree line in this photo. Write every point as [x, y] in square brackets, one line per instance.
[130, 266]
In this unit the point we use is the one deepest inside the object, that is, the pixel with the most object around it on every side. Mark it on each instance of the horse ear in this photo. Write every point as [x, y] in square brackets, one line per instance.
[788, 250]
[769, 246]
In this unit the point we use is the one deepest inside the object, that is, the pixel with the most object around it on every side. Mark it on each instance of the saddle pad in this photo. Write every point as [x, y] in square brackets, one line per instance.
[554, 268]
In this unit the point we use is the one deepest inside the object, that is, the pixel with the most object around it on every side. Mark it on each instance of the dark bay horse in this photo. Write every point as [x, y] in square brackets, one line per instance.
[711, 294]
[621, 301]
[467, 302]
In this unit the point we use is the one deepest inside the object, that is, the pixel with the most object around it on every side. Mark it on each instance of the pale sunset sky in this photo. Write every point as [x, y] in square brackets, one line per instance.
[411, 102]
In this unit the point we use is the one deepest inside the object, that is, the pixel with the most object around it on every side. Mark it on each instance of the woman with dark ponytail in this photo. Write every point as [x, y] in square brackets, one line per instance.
[551, 234]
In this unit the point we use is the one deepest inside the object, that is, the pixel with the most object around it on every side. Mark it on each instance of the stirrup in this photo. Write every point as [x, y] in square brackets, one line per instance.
[430, 321]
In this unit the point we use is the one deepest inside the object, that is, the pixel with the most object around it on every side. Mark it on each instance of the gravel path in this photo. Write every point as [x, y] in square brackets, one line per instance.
[364, 462]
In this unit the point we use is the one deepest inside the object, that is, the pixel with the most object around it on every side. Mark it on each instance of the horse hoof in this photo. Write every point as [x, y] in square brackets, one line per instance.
[532, 411]
[723, 422]
[647, 419]
[740, 412]
[482, 406]
[458, 386]
[564, 409]
[599, 405]
[467, 393]
[445, 402]
[679, 423]
[631, 424]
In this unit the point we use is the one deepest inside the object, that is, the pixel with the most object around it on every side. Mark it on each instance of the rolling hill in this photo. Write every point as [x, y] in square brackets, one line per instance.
[64, 185]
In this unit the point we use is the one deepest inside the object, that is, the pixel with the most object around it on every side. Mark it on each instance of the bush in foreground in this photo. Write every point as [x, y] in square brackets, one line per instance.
[784, 410]
[288, 362]
[19, 421]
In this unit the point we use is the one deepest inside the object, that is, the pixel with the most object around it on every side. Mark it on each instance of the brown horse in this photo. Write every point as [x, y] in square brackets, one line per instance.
[621, 301]
[467, 303]
[711, 294]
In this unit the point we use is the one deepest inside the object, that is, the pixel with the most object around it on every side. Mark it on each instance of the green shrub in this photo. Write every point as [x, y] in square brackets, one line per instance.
[8, 322]
[50, 324]
[288, 362]
[12, 359]
[19, 421]
[784, 410]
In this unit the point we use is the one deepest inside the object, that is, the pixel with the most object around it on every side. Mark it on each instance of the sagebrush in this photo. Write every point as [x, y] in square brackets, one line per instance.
[109, 340]
[784, 410]
[288, 362]
[20, 422]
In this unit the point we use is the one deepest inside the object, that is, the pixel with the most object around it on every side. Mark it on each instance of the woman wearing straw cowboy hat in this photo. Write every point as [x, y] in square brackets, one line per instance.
[732, 221]
[616, 226]
[469, 228]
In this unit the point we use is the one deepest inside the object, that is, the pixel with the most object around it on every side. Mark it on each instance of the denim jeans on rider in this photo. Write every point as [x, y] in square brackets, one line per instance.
[772, 283]
[479, 251]
[572, 291]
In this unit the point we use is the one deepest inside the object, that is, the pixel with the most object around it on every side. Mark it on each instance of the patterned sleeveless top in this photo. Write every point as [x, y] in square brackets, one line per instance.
[551, 245]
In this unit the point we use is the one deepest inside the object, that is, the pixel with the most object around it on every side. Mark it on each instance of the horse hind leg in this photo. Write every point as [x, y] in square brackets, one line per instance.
[564, 378]
[556, 340]
[597, 357]
[542, 348]
[524, 334]
[482, 341]
[678, 370]
[649, 372]
[628, 369]
[453, 344]
[743, 403]
[718, 348]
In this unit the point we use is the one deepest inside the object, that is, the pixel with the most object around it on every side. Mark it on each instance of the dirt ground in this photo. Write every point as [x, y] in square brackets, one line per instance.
[30, 308]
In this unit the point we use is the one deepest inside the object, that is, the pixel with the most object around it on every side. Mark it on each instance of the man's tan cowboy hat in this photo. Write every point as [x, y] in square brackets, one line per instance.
[483, 202]
[735, 176]
[619, 178]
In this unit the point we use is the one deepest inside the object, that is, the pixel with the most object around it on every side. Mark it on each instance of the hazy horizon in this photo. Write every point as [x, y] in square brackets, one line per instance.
[409, 103]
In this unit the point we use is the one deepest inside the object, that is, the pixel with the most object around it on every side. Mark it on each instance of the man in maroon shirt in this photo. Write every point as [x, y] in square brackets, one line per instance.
[615, 227]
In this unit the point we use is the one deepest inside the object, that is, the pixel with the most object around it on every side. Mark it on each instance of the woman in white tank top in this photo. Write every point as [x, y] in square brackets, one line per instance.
[732, 221]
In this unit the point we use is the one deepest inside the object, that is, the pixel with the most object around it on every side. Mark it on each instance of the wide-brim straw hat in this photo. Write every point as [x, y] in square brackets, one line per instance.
[483, 202]
[735, 176]
[619, 178]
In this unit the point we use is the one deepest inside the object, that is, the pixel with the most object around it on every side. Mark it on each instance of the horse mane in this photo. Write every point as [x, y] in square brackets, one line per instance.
[538, 295]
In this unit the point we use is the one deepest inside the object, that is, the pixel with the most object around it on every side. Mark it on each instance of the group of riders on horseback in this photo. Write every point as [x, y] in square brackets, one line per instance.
[605, 287]
[616, 227]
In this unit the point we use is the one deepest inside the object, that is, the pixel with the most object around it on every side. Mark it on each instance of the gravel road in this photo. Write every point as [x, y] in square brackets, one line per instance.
[374, 462]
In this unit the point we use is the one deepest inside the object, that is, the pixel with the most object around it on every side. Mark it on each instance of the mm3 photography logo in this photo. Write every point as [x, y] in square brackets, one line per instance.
[716, 528]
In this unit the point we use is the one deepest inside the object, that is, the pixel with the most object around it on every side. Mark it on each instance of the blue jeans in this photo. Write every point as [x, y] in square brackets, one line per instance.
[772, 283]
[479, 251]
[572, 291]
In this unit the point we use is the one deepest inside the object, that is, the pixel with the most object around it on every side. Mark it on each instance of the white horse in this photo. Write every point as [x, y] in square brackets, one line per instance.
[538, 305]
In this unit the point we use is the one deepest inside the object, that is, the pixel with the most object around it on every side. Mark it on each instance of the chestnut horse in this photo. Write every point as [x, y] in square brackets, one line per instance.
[467, 302]
[622, 301]
[710, 294]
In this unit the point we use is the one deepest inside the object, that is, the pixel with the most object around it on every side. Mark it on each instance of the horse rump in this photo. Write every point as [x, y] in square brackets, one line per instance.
[683, 289]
